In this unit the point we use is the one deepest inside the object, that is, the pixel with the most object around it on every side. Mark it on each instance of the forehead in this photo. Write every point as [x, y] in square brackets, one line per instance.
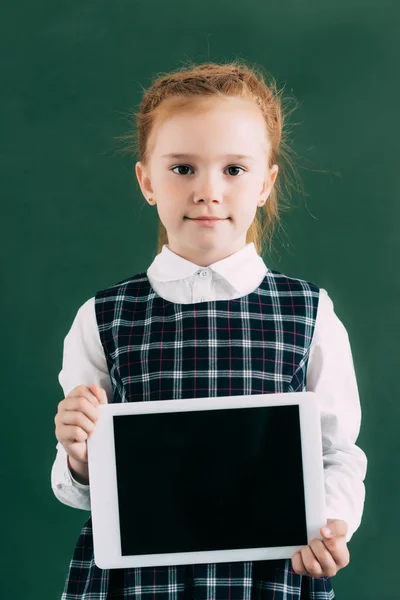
[196, 156]
[234, 127]
[223, 110]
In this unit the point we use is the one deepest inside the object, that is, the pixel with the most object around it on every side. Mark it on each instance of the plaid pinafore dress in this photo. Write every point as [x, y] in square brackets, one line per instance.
[161, 350]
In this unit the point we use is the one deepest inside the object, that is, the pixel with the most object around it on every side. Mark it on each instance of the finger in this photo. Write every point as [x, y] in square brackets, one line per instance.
[84, 392]
[324, 557]
[297, 564]
[72, 433]
[310, 562]
[79, 419]
[83, 405]
[99, 393]
[334, 528]
[337, 547]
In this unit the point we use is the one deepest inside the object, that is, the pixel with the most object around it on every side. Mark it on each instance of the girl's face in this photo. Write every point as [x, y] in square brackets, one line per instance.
[207, 179]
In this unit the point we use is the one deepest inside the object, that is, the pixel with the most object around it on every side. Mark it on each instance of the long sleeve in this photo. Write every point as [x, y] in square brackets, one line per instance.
[84, 363]
[331, 374]
[65, 487]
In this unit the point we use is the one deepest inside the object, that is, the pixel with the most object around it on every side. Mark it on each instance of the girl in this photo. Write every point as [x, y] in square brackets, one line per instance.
[208, 318]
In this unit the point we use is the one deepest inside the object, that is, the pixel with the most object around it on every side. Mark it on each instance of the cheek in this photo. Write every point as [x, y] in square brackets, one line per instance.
[243, 211]
[171, 212]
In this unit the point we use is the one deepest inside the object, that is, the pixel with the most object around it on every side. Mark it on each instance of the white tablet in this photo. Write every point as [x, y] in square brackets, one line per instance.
[206, 480]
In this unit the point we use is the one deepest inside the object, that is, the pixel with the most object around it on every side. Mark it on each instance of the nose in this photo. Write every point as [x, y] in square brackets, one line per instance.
[208, 193]
[207, 200]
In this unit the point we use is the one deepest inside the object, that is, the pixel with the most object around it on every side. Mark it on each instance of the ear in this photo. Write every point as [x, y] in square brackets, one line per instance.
[144, 180]
[273, 173]
[269, 182]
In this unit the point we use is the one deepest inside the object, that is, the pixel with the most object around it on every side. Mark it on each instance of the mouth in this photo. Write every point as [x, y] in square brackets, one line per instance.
[208, 223]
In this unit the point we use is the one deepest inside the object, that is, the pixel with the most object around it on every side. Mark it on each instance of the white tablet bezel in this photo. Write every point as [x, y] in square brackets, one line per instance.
[103, 482]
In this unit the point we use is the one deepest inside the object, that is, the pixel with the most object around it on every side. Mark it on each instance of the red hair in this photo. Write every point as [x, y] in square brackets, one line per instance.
[184, 90]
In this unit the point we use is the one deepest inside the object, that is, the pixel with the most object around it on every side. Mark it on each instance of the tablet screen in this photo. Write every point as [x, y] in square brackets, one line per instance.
[210, 479]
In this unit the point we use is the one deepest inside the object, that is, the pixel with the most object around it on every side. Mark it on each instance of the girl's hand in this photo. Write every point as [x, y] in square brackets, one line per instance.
[76, 419]
[324, 558]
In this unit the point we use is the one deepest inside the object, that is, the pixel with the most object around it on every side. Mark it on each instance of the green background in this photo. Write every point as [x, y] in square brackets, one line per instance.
[74, 221]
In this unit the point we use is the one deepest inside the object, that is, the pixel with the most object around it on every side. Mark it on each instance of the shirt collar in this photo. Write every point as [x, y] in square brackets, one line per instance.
[236, 269]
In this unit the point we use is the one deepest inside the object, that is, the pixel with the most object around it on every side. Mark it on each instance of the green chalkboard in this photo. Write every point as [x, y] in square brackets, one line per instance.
[74, 221]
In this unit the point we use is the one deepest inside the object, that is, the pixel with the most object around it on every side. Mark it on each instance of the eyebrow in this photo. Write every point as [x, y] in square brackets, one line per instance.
[239, 156]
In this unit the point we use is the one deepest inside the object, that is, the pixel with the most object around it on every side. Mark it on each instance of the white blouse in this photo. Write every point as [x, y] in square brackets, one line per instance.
[330, 372]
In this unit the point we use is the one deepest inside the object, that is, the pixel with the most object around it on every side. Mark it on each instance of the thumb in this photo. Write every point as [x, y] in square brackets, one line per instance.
[334, 528]
[99, 392]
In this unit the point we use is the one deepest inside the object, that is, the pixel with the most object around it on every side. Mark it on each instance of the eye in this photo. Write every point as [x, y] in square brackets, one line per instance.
[187, 167]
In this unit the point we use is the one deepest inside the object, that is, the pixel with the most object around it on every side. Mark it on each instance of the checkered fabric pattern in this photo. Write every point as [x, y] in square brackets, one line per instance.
[161, 350]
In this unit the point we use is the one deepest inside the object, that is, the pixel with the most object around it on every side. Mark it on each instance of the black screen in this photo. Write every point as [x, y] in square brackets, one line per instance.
[210, 480]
